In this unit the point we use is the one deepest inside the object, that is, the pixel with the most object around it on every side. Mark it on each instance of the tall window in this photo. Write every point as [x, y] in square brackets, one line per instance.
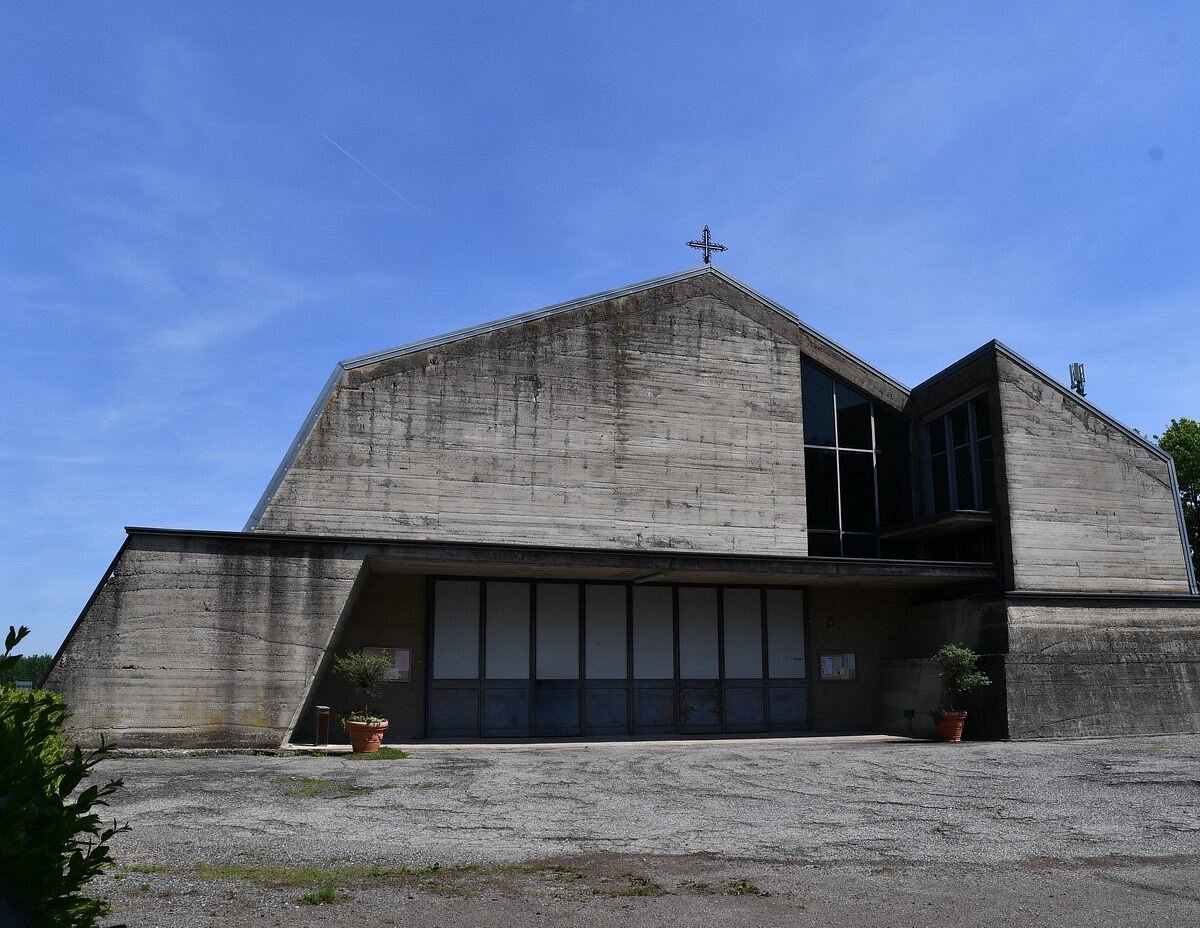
[856, 464]
[962, 472]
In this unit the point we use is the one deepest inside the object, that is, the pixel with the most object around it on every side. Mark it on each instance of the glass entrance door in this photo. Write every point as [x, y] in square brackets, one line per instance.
[515, 658]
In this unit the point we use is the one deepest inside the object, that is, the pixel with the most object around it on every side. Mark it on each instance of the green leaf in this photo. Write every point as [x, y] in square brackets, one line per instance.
[51, 840]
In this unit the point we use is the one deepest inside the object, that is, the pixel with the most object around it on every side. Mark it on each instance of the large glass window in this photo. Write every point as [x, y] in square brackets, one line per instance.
[961, 473]
[818, 407]
[857, 470]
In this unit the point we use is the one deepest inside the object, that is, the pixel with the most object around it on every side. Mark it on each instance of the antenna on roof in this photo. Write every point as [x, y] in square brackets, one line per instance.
[1077, 378]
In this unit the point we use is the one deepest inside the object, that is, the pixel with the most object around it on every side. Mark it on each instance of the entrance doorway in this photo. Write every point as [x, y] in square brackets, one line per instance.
[516, 658]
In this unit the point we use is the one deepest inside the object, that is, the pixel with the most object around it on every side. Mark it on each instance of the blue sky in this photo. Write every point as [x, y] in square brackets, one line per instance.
[205, 206]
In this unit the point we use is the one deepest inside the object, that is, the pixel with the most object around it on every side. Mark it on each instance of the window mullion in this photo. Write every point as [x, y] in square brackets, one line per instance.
[951, 470]
[837, 471]
[875, 473]
[973, 437]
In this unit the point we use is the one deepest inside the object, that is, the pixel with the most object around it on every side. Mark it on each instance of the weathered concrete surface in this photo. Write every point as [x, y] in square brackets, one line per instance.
[221, 639]
[196, 642]
[660, 423]
[1090, 509]
[667, 419]
[1081, 669]
[837, 832]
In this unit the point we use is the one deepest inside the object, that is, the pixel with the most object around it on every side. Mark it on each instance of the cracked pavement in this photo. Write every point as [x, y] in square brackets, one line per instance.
[1108, 827]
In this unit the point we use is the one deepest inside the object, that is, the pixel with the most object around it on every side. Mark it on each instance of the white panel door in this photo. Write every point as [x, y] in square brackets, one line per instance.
[456, 630]
[698, 658]
[557, 631]
[653, 633]
[507, 631]
[606, 657]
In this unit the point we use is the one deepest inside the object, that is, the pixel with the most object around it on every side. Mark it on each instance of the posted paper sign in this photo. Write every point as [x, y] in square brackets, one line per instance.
[401, 660]
[838, 665]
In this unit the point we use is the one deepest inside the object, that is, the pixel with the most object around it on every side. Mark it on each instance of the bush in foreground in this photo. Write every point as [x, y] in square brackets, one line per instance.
[53, 842]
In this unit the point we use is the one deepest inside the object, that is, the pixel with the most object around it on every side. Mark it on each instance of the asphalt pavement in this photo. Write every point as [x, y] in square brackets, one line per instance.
[821, 831]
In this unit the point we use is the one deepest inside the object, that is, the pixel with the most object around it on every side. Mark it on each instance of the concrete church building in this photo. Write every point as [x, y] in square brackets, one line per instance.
[668, 509]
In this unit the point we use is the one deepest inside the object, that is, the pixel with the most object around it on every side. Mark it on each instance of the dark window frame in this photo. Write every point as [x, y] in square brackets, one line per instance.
[945, 484]
[874, 407]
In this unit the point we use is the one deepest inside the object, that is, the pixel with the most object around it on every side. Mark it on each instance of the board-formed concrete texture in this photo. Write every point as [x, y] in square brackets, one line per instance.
[1089, 509]
[550, 474]
[196, 642]
[1117, 665]
[662, 419]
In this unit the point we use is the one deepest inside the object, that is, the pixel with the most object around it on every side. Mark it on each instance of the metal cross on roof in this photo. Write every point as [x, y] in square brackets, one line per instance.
[707, 245]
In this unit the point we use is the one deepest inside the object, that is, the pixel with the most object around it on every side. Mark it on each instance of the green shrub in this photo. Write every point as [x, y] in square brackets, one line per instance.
[960, 674]
[31, 705]
[52, 841]
[367, 674]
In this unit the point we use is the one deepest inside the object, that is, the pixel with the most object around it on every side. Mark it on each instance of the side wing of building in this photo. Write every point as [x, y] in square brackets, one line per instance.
[1091, 507]
[199, 641]
[1102, 630]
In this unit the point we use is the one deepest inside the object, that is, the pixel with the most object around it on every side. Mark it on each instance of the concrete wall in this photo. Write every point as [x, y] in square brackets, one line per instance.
[908, 685]
[667, 419]
[389, 611]
[894, 640]
[664, 420]
[1103, 668]
[911, 680]
[196, 642]
[1090, 508]
[199, 641]
[850, 620]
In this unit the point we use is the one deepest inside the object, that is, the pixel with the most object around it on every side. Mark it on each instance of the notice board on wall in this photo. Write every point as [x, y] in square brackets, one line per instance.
[839, 665]
[399, 658]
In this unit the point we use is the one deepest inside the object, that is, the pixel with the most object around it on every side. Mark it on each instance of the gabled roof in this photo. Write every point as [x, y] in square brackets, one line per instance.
[829, 345]
[1030, 368]
[604, 297]
[462, 334]
[1001, 349]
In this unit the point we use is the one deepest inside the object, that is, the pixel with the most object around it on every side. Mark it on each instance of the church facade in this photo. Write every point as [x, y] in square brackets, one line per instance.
[670, 509]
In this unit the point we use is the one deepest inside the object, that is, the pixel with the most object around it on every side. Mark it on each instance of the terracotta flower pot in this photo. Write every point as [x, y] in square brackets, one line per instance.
[365, 737]
[948, 726]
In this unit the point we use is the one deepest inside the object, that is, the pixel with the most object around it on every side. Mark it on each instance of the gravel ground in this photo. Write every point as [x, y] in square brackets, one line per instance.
[867, 831]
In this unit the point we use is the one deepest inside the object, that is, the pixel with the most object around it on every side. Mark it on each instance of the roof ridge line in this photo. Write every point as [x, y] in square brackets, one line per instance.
[349, 364]
[483, 328]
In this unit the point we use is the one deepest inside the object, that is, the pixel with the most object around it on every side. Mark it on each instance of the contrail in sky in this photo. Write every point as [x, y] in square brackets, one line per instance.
[372, 173]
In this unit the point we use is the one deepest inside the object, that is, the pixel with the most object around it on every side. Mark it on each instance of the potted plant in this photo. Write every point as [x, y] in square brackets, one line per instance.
[958, 668]
[367, 674]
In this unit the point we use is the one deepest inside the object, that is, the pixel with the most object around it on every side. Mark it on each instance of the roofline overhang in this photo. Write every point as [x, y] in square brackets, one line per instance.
[653, 561]
[998, 347]
[1091, 598]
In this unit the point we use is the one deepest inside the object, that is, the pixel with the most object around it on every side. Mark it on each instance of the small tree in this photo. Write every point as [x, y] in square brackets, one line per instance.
[367, 674]
[958, 668]
[1181, 440]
